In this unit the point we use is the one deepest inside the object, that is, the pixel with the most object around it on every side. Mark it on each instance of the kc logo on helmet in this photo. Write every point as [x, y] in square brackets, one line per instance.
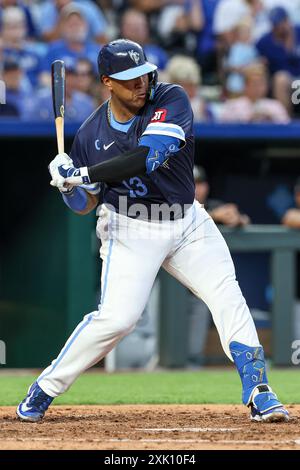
[159, 115]
[135, 56]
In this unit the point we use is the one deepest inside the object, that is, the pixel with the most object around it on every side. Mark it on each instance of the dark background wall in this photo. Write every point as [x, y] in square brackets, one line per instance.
[47, 280]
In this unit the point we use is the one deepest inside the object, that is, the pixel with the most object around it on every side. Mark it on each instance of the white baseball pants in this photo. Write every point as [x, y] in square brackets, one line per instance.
[192, 249]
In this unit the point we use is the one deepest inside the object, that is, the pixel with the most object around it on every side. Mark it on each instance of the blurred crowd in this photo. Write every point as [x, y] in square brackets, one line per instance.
[238, 60]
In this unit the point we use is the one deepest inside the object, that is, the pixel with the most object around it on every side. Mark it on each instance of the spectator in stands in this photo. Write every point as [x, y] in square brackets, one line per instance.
[171, 27]
[260, 18]
[19, 102]
[50, 14]
[198, 313]
[231, 12]
[1, 54]
[227, 17]
[281, 49]
[29, 18]
[134, 26]
[152, 6]
[15, 46]
[186, 72]
[206, 40]
[254, 106]
[73, 44]
[221, 212]
[228, 14]
[179, 24]
[78, 105]
[292, 7]
[85, 76]
[291, 219]
[188, 28]
[241, 53]
[88, 82]
[102, 93]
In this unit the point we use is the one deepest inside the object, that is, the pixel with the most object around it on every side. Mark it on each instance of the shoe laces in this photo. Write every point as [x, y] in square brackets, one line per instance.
[41, 400]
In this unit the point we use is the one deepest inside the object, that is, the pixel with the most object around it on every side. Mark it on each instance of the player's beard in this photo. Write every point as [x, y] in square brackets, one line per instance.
[133, 106]
[140, 101]
[139, 98]
[136, 105]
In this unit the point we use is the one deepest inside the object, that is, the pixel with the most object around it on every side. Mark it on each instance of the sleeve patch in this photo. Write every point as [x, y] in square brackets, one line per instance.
[159, 115]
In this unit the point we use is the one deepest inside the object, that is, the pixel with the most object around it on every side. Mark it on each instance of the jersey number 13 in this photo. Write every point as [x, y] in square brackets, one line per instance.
[136, 187]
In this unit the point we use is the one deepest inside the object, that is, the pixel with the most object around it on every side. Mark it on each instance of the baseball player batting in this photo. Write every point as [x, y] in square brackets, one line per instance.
[134, 158]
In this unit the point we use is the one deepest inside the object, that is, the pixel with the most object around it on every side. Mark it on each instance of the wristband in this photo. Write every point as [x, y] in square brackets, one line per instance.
[76, 199]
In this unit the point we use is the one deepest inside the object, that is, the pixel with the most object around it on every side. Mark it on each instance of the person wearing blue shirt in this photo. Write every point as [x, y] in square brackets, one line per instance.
[19, 102]
[206, 40]
[135, 26]
[29, 19]
[281, 48]
[15, 47]
[73, 44]
[78, 105]
[156, 55]
[50, 10]
[29, 61]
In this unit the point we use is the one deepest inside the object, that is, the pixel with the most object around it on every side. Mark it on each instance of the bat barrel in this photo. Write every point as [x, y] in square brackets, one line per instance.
[58, 88]
[58, 97]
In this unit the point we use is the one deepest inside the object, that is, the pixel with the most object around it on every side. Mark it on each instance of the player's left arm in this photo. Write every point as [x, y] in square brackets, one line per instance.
[163, 137]
[84, 203]
[83, 198]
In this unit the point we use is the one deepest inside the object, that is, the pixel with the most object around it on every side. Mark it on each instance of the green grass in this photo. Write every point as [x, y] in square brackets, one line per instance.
[204, 386]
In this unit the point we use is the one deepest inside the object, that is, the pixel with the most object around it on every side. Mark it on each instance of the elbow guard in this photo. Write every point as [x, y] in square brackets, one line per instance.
[160, 149]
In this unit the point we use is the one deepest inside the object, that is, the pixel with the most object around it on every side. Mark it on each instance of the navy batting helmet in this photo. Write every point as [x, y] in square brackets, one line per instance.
[124, 60]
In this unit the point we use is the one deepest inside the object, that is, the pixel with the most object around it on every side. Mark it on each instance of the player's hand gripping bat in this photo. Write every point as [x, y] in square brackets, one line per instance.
[58, 98]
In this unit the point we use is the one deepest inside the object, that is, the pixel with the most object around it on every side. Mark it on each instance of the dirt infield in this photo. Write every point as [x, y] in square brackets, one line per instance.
[151, 427]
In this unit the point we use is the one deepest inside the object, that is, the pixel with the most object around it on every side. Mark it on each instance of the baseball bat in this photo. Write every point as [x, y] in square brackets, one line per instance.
[58, 98]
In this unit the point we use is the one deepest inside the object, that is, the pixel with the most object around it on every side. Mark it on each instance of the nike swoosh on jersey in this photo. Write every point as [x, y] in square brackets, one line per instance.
[109, 145]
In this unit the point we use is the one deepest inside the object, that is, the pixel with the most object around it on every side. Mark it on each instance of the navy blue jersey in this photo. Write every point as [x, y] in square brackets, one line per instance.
[170, 114]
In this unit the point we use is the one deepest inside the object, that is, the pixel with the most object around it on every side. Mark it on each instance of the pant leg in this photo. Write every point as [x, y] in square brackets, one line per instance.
[130, 265]
[202, 263]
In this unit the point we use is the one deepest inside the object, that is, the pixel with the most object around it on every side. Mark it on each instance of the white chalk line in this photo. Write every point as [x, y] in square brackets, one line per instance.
[219, 441]
[180, 441]
[188, 429]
